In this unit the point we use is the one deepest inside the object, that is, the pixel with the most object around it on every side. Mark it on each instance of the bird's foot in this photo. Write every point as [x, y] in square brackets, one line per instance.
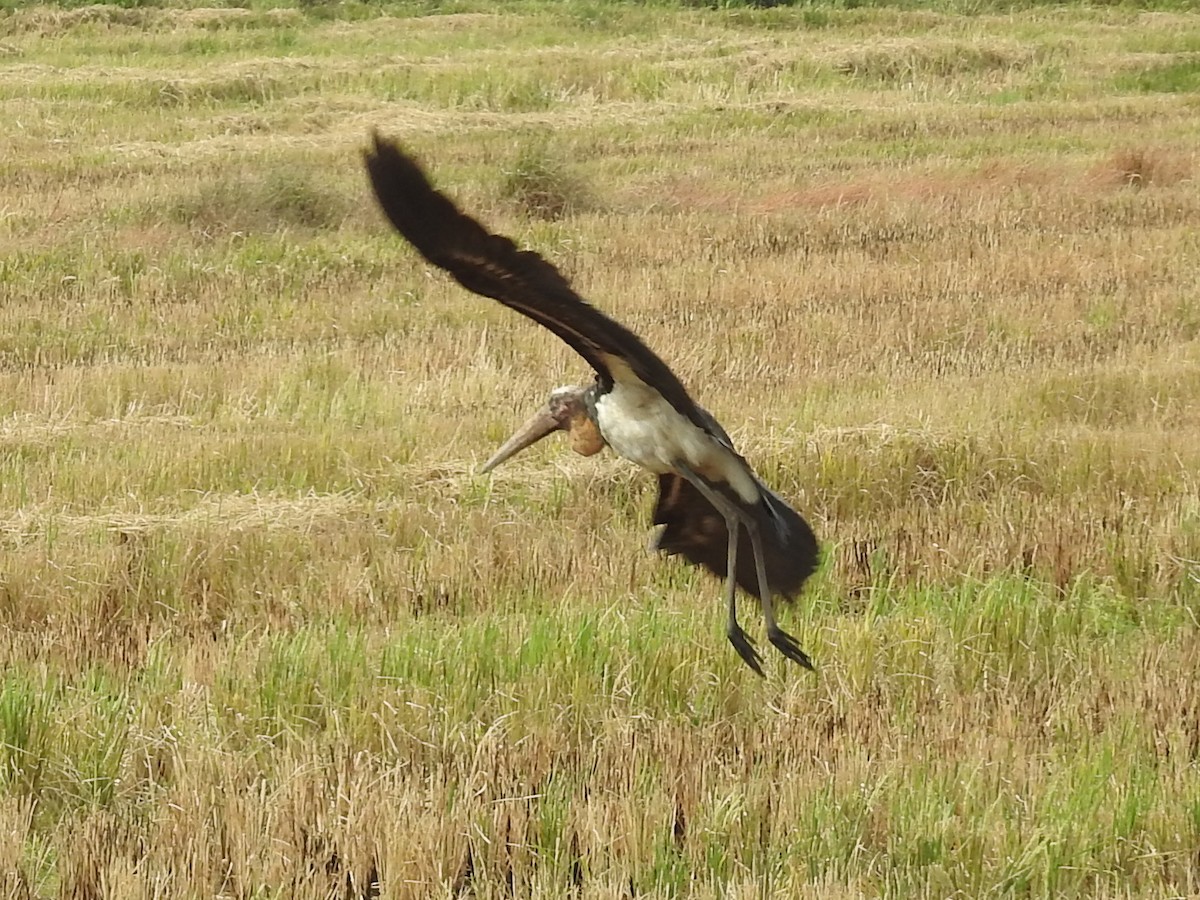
[787, 645]
[744, 645]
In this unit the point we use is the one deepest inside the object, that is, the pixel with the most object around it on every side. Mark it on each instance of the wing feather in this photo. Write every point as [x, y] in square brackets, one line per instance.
[692, 528]
[492, 265]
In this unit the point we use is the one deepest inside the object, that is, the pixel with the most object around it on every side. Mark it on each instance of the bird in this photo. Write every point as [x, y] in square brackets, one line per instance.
[712, 509]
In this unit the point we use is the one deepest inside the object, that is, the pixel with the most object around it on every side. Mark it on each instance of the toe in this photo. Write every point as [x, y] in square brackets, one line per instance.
[744, 645]
[789, 647]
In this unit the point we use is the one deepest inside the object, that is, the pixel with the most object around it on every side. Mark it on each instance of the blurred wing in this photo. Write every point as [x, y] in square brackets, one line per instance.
[491, 265]
[692, 528]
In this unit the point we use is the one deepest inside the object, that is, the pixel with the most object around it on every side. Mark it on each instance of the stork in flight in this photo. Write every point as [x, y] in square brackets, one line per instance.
[713, 510]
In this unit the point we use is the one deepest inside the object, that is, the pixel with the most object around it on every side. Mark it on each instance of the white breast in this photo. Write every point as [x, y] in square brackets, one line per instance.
[645, 429]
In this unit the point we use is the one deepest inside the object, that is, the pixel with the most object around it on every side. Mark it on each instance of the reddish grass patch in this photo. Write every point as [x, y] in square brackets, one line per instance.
[1139, 167]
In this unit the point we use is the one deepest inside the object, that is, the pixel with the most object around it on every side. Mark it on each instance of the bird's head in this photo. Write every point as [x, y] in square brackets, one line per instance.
[566, 410]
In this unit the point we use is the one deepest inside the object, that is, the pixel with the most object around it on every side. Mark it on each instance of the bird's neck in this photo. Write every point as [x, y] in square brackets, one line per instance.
[586, 439]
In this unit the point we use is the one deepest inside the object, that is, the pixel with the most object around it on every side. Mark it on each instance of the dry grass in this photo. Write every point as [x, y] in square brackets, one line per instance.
[264, 633]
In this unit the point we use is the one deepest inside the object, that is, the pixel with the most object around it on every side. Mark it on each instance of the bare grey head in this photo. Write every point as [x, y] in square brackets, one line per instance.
[566, 410]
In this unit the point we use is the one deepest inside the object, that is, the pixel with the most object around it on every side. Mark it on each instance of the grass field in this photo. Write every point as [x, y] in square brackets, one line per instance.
[264, 631]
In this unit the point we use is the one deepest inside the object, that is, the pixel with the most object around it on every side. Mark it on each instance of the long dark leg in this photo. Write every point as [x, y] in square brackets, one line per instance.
[735, 516]
[784, 642]
[741, 641]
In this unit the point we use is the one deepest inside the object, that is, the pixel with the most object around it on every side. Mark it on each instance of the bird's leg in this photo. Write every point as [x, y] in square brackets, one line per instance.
[741, 641]
[735, 516]
[784, 642]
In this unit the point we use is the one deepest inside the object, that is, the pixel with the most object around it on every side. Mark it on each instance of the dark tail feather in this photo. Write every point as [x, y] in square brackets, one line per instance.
[695, 530]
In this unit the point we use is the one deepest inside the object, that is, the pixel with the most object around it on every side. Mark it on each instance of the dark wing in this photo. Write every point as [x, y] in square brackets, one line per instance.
[491, 265]
[693, 529]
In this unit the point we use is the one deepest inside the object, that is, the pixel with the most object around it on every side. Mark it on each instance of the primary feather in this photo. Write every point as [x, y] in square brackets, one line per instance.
[491, 265]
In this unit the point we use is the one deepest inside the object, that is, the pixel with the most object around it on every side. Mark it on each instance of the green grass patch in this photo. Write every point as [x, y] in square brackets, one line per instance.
[1182, 76]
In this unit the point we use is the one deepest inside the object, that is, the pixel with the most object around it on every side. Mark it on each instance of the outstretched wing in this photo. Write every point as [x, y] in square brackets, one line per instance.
[491, 265]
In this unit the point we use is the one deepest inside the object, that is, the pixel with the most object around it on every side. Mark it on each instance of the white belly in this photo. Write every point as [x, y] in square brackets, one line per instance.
[645, 429]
